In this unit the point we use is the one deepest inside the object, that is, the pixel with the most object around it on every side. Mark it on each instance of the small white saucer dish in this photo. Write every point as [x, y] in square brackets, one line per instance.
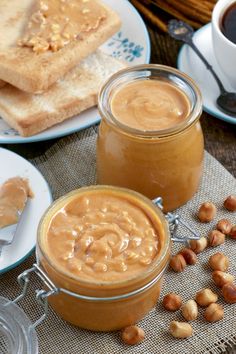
[25, 239]
[189, 63]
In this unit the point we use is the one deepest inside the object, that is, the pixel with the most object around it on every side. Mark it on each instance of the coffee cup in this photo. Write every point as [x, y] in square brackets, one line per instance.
[224, 49]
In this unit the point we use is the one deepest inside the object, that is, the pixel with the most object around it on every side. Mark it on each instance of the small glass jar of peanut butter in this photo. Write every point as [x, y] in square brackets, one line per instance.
[106, 250]
[150, 139]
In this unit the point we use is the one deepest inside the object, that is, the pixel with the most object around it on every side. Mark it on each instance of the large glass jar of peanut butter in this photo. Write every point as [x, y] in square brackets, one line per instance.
[105, 249]
[150, 139]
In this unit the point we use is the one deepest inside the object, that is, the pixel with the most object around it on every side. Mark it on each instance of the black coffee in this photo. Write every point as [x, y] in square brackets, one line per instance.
[228, 23]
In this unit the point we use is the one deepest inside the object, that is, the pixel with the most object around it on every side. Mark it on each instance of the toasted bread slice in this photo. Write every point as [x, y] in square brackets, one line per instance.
[32, 72]
[76, 92]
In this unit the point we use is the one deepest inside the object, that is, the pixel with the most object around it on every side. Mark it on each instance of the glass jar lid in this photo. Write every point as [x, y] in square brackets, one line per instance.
[17, 335]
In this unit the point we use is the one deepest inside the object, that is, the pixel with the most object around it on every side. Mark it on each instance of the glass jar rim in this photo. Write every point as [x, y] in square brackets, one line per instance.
[58, 204]
[105, 110]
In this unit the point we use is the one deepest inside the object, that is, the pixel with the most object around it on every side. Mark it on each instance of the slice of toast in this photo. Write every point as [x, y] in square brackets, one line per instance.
[77, 91]
[35, 72]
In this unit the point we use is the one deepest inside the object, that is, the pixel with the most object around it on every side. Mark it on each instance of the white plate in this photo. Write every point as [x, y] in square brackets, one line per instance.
[189, 63]
[132, 44]
[25, 239]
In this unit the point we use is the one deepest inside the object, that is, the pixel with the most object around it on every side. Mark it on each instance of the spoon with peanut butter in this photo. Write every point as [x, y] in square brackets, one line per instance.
[184, 32]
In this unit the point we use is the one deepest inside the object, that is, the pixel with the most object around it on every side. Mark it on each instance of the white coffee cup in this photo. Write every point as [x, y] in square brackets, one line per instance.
[224, 49]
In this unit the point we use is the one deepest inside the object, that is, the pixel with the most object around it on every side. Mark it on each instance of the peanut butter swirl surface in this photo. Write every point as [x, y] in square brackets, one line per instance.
[102, 237]
[55, 23]
[149, 105]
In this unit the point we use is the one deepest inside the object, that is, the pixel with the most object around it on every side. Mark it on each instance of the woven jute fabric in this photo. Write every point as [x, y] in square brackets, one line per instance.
[71, 163]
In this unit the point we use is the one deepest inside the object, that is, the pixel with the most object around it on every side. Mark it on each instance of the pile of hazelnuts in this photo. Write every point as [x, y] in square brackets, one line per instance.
[206, 298]
[218, 262]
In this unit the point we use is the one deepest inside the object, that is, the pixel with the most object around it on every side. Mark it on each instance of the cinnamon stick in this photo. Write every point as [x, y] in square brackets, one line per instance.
[174, 12]
[150, 15]
[190, 12]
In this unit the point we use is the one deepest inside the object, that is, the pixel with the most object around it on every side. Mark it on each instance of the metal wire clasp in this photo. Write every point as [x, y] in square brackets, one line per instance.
[174, 220]
[41, 295]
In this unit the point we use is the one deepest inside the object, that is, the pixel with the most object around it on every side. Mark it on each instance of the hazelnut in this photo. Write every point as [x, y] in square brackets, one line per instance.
[214, 313]
[229, 293]
[172, 302]
[224, 226]
[189, 256]
[180, 329]
[222, 278]
[206, 297]
[132, 335]
[230, 203]
[219, 261]
[216, 238]
[198, 245]
[206, 212]
[178, 263]
[232, 233]
[190, 310]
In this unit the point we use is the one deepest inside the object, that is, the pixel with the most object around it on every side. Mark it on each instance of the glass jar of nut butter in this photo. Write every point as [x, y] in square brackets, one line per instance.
[150, 139]
[106, 250]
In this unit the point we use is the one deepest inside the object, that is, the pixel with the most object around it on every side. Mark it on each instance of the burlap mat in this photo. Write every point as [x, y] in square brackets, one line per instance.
[69, 164]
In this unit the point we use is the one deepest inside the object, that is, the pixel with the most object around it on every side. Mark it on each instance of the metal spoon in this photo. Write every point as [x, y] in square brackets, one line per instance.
[184, 32]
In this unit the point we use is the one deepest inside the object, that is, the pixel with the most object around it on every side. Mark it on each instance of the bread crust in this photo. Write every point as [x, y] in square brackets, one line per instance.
[2, 83]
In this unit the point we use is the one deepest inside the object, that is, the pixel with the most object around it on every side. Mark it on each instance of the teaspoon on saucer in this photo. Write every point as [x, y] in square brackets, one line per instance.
[182, 31]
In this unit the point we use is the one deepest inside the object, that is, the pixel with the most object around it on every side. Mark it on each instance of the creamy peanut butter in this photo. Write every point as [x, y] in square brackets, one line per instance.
[13, 196]
[152, 142]
[55, 23]
[150, 105]
[102, 237]
[104, 242]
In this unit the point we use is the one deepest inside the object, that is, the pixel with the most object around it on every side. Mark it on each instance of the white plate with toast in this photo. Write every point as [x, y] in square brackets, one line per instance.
[131, 44]
[25, 238]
